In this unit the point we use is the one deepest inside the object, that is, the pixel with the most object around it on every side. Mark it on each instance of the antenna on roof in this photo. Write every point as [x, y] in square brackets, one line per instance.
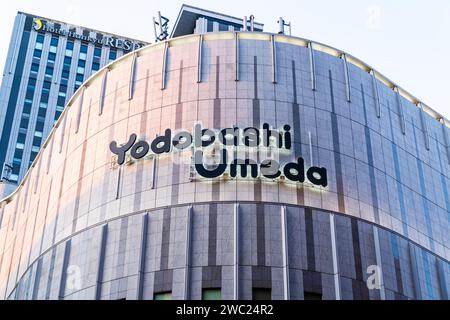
[161, 25]
[282, 24]
[245, 23]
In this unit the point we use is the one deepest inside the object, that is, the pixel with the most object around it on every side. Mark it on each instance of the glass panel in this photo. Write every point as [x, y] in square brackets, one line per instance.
[162, 296]
[312, 296]
[211, 294]
[261, 294]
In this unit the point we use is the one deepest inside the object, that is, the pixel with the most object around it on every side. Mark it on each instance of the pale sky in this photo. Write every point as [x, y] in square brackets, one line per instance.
[406, 40]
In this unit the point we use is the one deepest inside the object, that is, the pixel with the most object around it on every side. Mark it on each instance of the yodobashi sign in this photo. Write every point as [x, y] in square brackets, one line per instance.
[124, 44]
[228, 139]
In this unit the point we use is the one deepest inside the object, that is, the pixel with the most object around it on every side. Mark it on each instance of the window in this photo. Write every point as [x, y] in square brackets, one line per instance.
[210, 26]
[24, 122]
[35, 149]
[97, 52]
[33, 156]
[223, 27]
[21, 138]
[261, 294]
[65, 74]
[163, 296]
[54, 42]
[80, 70]
[49, 71]
[83, 48]
[40, 38]
[69, 53]
[211, 294]
[26, 108]
[81, 63]
[38, 46]
[17, 162]
[18, 153]
[112, 55]
[312, 296]
[51, 57]
[61, 101]
[34, 67]
[37, 53]
[69, 45]
[95, 66]
[82, 56]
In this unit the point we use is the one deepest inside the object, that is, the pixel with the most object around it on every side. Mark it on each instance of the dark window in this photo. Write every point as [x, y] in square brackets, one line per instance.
[51, 56]
[35, 67]
[42, 112]
[40, 38]
[47, 84]
[45, 95]
[81, 63]
[67, 60]
[312, 296]
[112, 55]
[261, 294]
[163, 296]
[40, 124]
[37, 53]
[223, 27]
[97, 52]
[83, 48]
[61, 101]
[210, 26]
[26, 108]
[54, 42]
[18, 153]
[95, 66]
[21, 138]
[79, 77]
[49, 71]
[24, 123]
[69, 45]
[57, 114]
[33, 156]
[16, 169]
[211, 294]
[65, 74]
[30, 94]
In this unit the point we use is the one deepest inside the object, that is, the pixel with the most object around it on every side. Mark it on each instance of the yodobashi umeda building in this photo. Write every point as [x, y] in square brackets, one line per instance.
[234, 165]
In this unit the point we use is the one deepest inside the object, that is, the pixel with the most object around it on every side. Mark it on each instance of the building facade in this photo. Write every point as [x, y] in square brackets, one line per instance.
[90, 223]
[47, 62]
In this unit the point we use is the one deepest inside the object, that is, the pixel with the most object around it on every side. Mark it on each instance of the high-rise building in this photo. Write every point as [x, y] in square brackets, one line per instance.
[47, 62]
[234, 165]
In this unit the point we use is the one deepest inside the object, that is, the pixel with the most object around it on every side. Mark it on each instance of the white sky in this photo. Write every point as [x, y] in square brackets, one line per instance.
[406, 40]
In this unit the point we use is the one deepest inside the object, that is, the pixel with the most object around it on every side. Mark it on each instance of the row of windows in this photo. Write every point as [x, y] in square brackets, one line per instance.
[26, 111]
[65, 74]
[257, 294]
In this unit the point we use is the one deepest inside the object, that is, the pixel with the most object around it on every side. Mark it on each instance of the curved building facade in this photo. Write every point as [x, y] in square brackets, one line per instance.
[362, 212]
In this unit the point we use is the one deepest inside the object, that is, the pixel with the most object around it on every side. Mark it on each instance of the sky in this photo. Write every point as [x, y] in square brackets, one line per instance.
[406, 40]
